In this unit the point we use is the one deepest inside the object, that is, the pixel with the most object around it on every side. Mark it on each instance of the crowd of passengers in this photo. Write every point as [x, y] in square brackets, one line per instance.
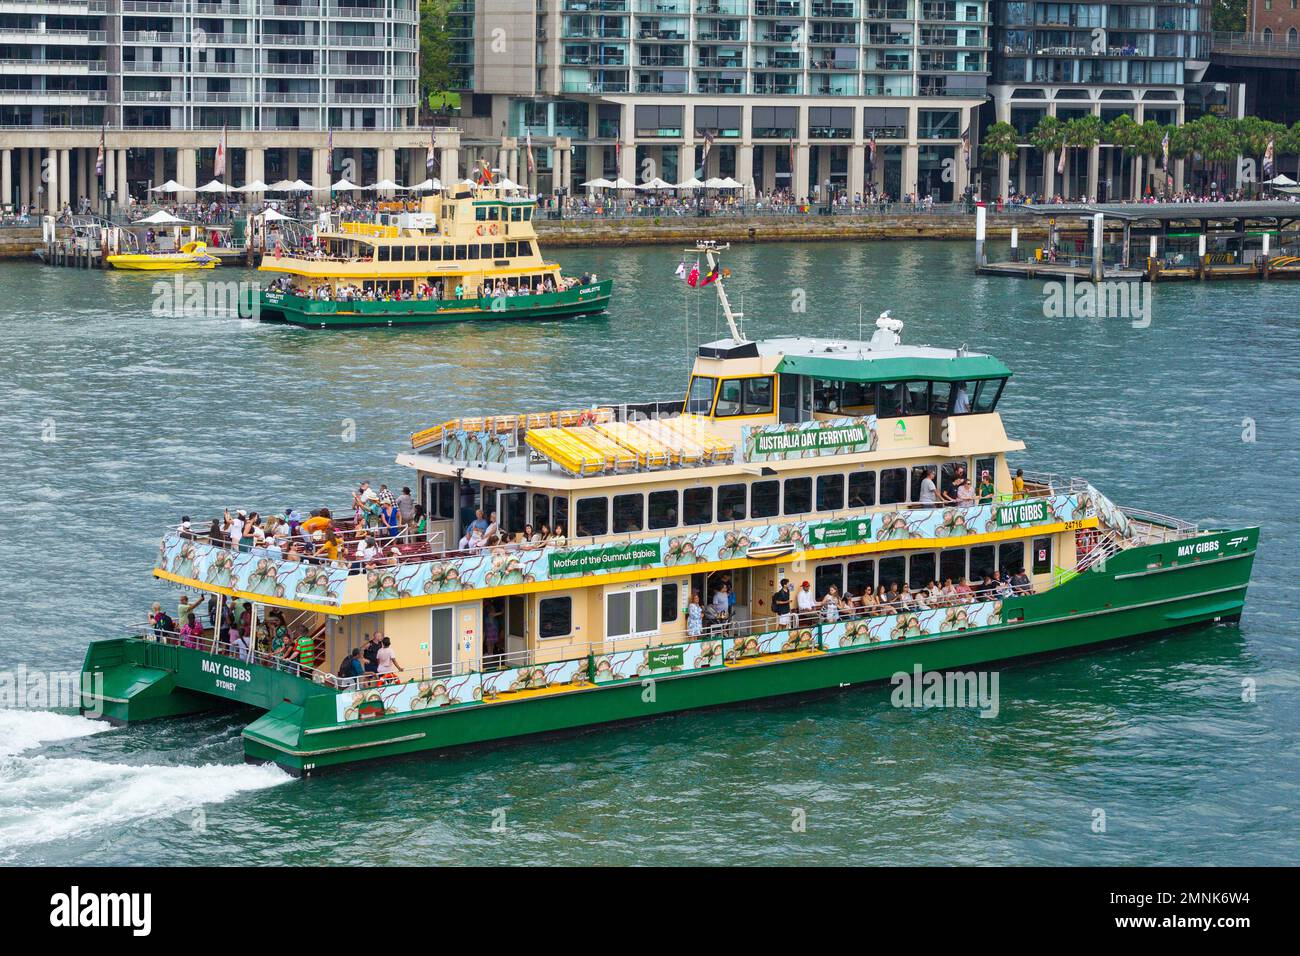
[425, 291]
[803, 608]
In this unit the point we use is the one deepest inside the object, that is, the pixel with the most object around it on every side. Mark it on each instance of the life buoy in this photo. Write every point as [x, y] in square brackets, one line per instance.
[480, 230]
[588, 417]
[494, 228]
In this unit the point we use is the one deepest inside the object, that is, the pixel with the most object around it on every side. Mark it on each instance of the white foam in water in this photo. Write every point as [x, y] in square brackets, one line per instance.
[43, 799]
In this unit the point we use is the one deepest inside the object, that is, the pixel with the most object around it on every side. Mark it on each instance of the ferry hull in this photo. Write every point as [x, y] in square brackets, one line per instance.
[315, 314]
[1142, 591]
[159, 263]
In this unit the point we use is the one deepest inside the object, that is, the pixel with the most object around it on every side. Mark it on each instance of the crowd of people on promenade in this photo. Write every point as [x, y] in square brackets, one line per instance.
[1150, 199]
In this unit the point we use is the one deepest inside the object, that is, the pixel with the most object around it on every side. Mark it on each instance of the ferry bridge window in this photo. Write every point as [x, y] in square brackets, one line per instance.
[830, 492]
[700, 399]
[917, 398]
[757, 394]
[728, 397]
[559, 512]
[663, 510]
[1011, 556]
[1042, 557]
[512, 249]
[554, 617]
[731, 502]
[697, 505]
[798, 496]
[473, 251]
[982, 465]
[593, 517]
[462, 252]
[986, 395]
[494, 213]
[480, 213]
[952, 564]
[857, 398]
[765, 499]
[825, 576]
[921, 570]
[627, 513]
[668, 603]
[862, 576]
[826, 395]
[981, 562]
[893, 486]
[498, 250]
[889, 402]
[862, 489]
[892, 571]
[541, 512]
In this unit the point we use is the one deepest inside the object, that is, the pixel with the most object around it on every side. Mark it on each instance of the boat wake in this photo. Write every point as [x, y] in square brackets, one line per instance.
[44, 799]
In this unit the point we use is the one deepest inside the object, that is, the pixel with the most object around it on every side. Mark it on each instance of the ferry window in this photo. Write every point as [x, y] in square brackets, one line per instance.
[481, 213]
[384, 254]
[435, 253]
[940, 395]
[892, 571]
[1042, 555]
[728, 397]
[858, 398]
[697, 505]
[948, 474]
[798, 496]
[765, 499]
[424, 253]
[512, 249]
[559, 512]
[830, 492]
[593, 517]
[918, 398]
[918, 475]
[986, 394]
[893, 486]
[632, 613]
[554, 617]
[663, 510]
[826, 395]
[493, 213]
[731, 502]
[1011, 556]
[516, 214]
[440, 500]
[700, 399]
[528, 214]
[627, 513]
[541, 512]
[952, 564]
[982, 465]
[667, 603]
[921, 570]
[960, 399]
[498, 250]
[862, 576]
[825, 576]
[410, 253]
[758, 396]
[862, 489]
[462, 252]
[890, 402]
[981, 562]
[513, 505]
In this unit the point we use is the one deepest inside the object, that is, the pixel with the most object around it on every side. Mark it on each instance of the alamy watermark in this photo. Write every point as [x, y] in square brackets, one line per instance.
[1098, 300]
[186, 298]
[977, 689]
[23, 689]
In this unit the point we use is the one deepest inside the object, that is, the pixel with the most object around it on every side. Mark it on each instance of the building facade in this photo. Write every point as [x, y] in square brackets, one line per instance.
[1102, 59]
[800, 96]
[162, 78]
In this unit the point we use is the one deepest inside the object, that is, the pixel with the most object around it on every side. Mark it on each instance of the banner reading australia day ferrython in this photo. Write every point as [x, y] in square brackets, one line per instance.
[794, 440]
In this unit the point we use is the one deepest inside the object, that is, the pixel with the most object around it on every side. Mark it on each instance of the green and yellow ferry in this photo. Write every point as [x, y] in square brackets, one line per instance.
[469, 252]
[793, 458]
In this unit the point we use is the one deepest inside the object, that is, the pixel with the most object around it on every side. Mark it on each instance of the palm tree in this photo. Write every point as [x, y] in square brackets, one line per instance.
[1124, 133]
[1049, 136]
[1002, 141]
[1150, 144]
[1085, 132]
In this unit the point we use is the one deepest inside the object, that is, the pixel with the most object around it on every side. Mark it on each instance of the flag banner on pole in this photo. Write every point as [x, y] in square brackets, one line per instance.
[430, 156]
[708, 145]
[693, 277]
[329, 154]
[681, 270]
[1164, 153]
[219, 164]
[965, 145]
[871, 154]
[528, 144]
[1268, 159]
[99, 157]
[1060, 163]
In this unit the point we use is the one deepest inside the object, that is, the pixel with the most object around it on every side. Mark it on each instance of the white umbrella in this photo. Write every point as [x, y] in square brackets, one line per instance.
[384, 184]
[729, 183]
[256, 186]
[298, 186]
[506, 183]
[622, 183]
[1281, 179]
[212, 187]
[715, 183]
[598, 184]
[426, 186]
[274, 215]
[345, 184]
[162, 218]
[691, 183]
[171, 186]
[655, 183]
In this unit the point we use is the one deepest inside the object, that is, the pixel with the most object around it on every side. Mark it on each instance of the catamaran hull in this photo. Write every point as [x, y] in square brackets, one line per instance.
[314, 314]
[1142, 591]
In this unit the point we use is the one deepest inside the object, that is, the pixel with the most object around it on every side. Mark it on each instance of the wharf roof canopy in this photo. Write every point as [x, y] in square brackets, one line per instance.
[1172, 211]
[853, 361]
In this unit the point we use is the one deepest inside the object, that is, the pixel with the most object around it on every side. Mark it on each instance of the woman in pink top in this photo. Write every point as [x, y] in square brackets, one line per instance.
[387, 659]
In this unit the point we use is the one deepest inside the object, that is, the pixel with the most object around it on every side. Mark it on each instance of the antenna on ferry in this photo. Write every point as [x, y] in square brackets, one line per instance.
[709, 247]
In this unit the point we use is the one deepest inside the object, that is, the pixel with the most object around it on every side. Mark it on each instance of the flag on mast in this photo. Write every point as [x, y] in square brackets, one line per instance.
[965, 145]
[693, 277]
[871, 154]
[219, 164]
[329, 154]
[1164, 153]
[681, 270]
[708, 145]
[1060, 163]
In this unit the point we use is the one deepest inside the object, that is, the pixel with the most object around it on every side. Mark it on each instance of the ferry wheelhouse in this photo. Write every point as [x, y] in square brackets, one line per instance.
[468, 252]
[796, 459]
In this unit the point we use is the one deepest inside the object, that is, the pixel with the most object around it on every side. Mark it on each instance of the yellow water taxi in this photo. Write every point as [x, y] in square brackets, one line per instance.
[192, 255]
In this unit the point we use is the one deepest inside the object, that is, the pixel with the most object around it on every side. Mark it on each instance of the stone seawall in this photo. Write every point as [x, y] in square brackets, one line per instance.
[19, 242]
[808, 228]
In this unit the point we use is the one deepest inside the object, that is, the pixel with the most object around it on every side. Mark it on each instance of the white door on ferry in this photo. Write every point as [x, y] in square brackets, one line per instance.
[516, 624]
[442, 640]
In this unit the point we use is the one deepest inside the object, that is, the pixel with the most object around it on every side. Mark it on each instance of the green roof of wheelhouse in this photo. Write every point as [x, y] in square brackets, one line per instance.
[909, 368]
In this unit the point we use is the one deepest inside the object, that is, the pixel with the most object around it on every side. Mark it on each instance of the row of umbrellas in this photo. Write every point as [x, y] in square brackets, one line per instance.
[163, 218]
[297, 186]
[657, 183]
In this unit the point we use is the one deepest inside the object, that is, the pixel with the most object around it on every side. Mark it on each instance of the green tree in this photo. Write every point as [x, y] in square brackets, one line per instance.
[1001, 139]
[436, 49]
[1124, 133]
[1229, 15]
[1048, 135]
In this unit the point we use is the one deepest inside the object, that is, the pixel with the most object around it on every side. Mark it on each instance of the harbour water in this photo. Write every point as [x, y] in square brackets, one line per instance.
[116, 421]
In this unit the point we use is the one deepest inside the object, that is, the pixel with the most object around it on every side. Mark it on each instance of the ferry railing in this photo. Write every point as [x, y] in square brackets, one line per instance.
[213, 643]
[1108, 545]
[1053, 484]
[1155, 528]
